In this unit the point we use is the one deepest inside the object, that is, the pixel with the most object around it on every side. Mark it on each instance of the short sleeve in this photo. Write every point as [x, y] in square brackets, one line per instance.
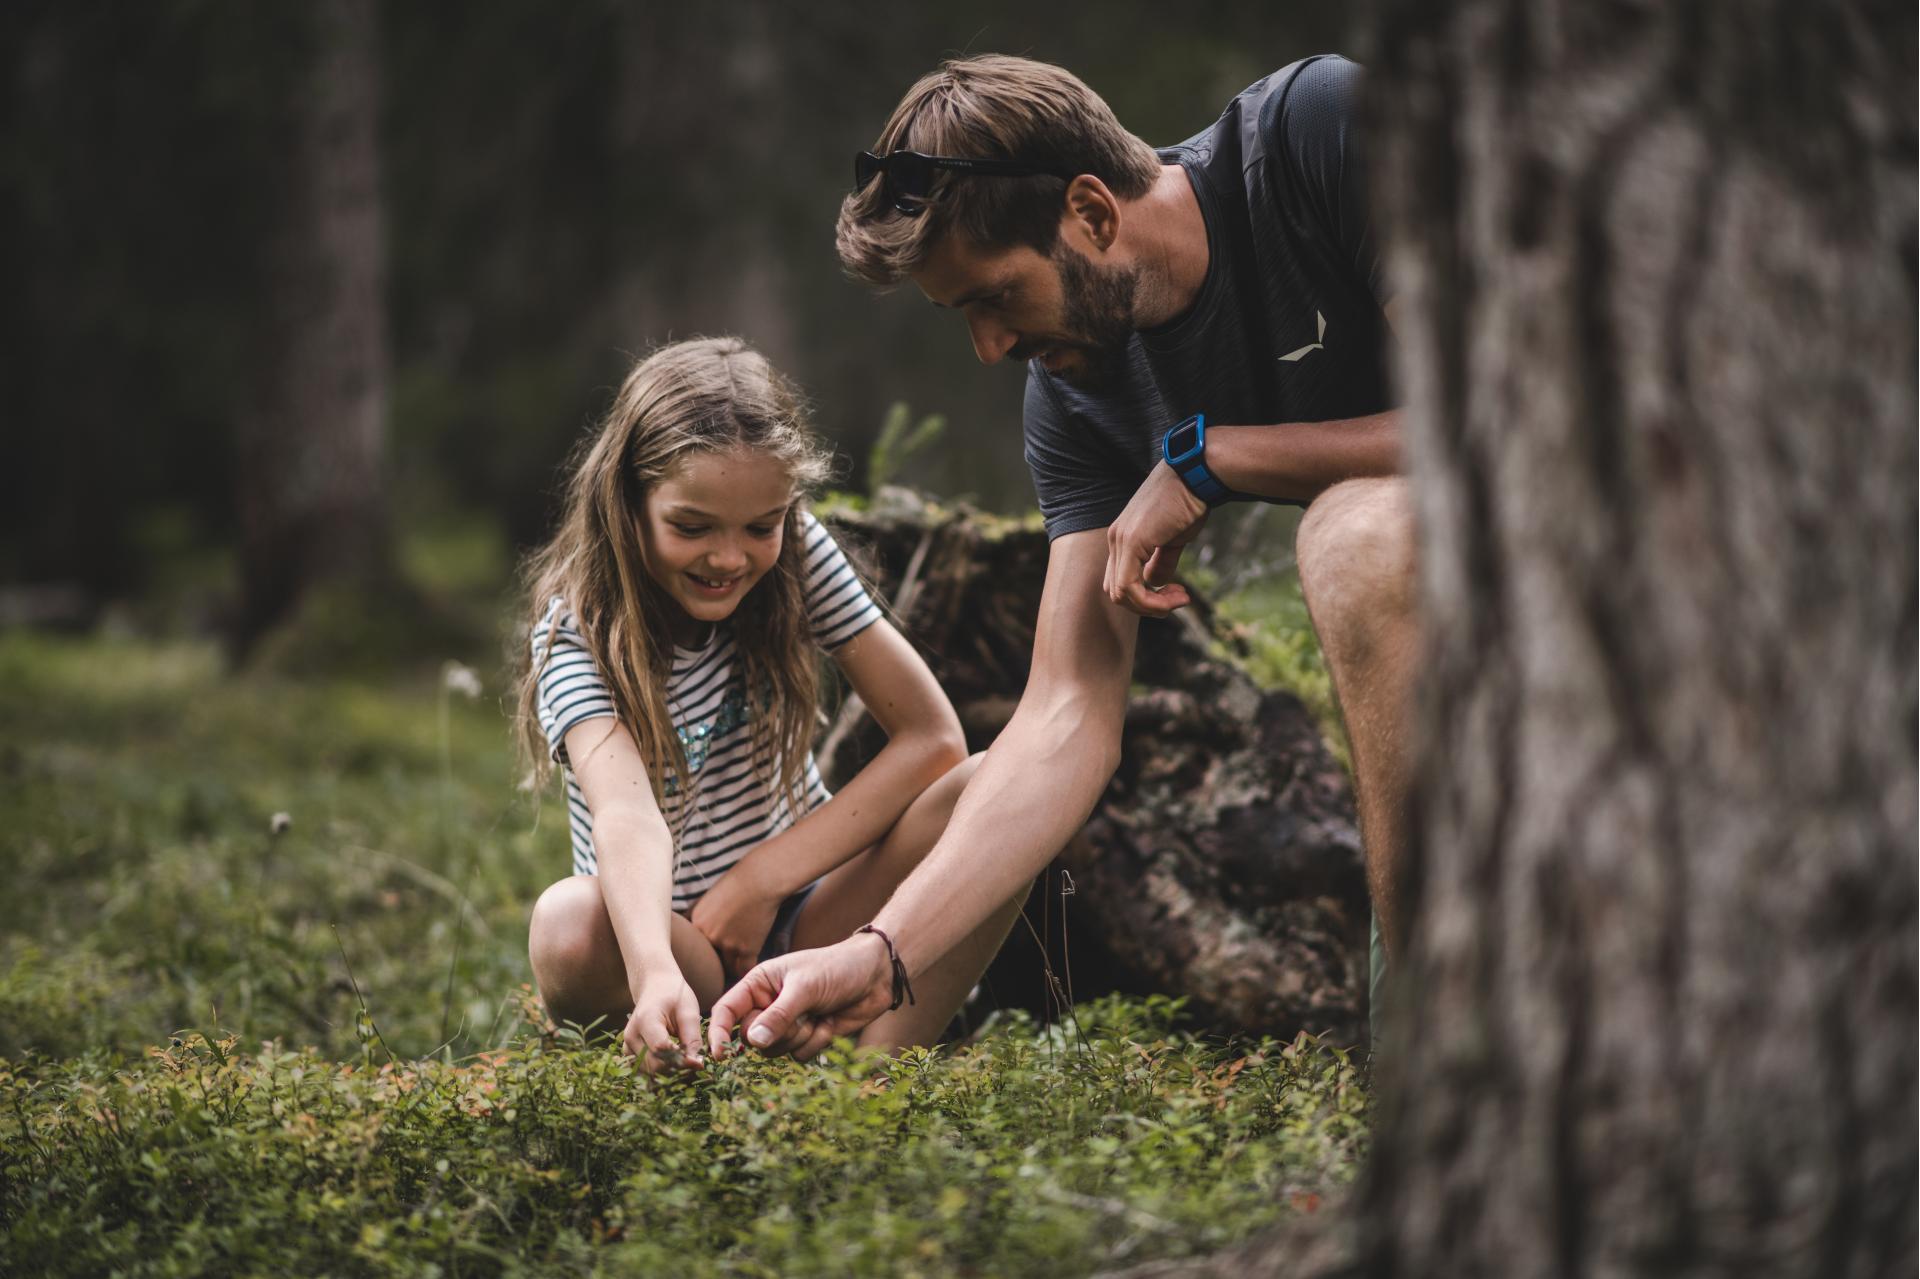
[1074, 492]
[571, 689]
[1315, 123]
[838, 606]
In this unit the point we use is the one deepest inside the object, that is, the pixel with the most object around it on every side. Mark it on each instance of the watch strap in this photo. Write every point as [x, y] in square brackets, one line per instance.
[1191, 464]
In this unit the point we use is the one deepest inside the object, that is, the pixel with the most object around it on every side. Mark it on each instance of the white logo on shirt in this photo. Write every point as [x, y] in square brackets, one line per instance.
[1319, 345]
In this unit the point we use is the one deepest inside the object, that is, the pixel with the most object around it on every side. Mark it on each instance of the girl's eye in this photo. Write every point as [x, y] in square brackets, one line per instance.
[689, 530]
[761, 530]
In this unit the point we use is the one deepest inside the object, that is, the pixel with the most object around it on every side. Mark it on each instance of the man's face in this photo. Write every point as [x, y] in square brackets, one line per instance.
[1072, 313]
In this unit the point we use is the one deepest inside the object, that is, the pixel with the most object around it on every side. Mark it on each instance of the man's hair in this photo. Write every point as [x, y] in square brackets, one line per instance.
[990, 107]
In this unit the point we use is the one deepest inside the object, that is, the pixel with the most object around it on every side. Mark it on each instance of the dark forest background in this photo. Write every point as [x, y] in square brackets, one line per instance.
[558, 188]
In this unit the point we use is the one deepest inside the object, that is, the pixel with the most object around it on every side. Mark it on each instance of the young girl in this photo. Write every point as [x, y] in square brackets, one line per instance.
[679, 613]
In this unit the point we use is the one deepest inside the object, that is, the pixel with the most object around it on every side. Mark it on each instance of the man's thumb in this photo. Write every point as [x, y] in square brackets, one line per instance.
[776, 1020]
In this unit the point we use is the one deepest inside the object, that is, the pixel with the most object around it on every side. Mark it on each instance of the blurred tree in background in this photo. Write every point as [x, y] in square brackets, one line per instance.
[312, 436]
[557, 189]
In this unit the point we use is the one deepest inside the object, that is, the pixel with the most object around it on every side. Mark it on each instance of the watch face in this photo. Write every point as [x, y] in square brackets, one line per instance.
[1183, 439]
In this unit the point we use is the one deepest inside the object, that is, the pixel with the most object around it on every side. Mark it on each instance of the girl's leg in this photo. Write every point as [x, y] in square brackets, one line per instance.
[852, 894]
[576, 957]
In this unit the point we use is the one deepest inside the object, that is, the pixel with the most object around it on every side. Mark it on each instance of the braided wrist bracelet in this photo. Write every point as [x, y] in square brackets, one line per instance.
[902, 988]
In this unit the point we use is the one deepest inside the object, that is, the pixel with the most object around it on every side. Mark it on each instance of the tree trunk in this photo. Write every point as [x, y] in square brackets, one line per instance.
[1657, 268]
[1657, 284]
[696, 87]
[1222, 864]
[312, 441]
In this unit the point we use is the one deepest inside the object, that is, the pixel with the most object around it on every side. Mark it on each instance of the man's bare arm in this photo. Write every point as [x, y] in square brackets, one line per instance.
[1032, 792]
[1298, 462]
[1045, 771]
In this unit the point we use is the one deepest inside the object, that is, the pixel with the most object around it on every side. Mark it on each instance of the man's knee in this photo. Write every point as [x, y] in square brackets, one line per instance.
[1355, 552]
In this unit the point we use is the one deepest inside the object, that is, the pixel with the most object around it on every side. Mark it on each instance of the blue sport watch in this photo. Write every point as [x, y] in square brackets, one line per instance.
[1185, 449]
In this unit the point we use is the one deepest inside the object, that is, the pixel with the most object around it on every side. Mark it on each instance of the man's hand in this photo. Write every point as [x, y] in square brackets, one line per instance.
[799, 1003]
[736, 915]
[663, 1030]
[1144, 544]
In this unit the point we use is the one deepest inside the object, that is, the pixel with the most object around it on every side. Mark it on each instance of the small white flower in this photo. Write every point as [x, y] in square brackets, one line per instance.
[461, 679]
[280, 823]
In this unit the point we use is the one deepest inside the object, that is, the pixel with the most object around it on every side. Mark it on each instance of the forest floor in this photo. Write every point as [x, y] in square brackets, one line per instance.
[263, 1006]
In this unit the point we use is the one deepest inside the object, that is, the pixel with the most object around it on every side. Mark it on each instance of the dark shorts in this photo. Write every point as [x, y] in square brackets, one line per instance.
[780, 937]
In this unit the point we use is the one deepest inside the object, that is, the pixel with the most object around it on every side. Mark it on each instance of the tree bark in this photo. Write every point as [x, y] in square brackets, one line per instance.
[1656, 270]
[1222, 864]
[1658, 286]
[312, 441]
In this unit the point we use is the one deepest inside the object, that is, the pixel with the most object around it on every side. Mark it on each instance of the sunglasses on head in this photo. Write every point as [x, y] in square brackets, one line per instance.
[909, 175]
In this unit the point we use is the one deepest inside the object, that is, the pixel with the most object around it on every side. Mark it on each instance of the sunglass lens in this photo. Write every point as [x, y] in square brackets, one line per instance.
[910, 173]
[866, 166]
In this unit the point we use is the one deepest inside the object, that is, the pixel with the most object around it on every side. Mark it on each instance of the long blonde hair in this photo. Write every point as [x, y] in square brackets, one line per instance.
[701, 396]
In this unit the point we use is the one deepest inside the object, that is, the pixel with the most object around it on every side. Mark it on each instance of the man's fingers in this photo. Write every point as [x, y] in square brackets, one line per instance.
[744, 998]
[774, 1026]
[786, 1020]
[1125, 563]
[1145, 601]
[818, 1037]
[1162, 564]
[720, 1023]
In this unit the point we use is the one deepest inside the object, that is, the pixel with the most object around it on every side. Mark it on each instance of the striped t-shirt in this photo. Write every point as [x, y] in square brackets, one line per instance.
[735, 807]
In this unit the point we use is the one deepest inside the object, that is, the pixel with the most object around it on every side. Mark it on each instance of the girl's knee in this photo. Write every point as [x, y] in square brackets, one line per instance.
[568, 932]
[929, 814]
[955, 779]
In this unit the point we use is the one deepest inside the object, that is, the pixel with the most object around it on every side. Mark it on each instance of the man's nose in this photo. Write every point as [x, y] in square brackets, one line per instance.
[991, 341]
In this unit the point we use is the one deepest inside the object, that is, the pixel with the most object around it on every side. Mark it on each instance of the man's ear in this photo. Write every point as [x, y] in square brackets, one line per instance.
[1092, 217]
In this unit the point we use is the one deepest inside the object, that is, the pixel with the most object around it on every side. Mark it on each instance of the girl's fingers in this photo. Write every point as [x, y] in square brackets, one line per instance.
[646, 1034]
[690, 1029]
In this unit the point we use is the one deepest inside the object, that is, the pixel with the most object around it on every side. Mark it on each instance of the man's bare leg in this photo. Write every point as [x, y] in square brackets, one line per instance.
[1356, 554]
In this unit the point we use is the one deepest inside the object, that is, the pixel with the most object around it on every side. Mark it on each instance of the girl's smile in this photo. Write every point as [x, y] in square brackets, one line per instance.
[712, 528]
[718, 588]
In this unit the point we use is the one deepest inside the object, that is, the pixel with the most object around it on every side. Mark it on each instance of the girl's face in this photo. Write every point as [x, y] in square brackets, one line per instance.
[712, 528]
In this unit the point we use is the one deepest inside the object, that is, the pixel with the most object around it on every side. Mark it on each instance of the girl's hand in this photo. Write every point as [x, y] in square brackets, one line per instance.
[663, 1031]
[736, 915]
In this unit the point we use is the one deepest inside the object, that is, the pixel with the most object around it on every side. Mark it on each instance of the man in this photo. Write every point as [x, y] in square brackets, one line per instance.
[1232, 276]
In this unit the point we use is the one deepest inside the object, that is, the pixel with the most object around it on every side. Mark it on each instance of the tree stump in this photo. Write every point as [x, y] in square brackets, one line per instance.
[1223, 862]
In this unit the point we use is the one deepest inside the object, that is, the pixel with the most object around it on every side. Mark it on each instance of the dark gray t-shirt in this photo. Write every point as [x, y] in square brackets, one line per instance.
[1287, 326]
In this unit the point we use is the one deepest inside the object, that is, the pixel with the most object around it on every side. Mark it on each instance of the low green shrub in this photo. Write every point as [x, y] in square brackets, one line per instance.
[1045, 1151]
[425, 1129]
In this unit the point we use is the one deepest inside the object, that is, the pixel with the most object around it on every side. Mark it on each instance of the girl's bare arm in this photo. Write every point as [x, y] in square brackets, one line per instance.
[923, 741]
[634, 849]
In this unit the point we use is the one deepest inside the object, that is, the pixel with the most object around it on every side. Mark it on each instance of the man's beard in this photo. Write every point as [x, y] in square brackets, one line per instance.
[1099, 318]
